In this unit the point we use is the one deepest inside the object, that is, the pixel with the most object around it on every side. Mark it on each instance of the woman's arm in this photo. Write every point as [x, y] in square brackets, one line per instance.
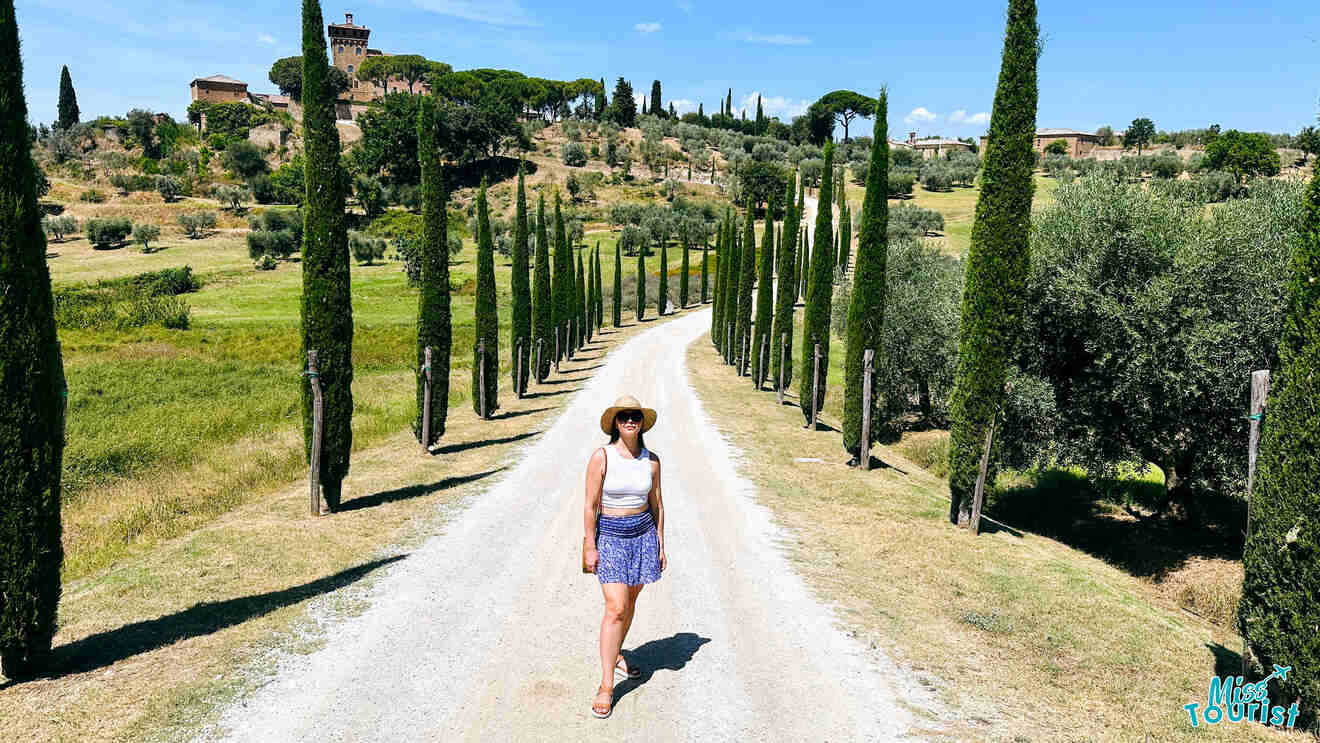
[657, 506]
[595, 481]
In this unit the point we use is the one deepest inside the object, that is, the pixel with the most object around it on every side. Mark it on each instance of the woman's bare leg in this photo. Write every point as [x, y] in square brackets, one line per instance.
[618, 605]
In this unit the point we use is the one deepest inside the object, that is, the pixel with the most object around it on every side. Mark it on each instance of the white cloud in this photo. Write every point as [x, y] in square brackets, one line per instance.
[773, 105]
[962, 117]
[266, 39]
[780, 39]
[683, 105]
[493, 12]
[686, 6]
[648, 27]
[920, 115]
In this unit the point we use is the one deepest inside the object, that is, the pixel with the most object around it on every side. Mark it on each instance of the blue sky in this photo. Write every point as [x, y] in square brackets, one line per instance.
[1248, 66]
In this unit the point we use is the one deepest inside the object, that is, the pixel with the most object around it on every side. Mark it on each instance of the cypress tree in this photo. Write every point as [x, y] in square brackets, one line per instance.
[845, 236]
[866, 309]
[701, 111]
[785, 293]
[641, 282]
[731, 286]
[746, 280]
[520, 327]
[717, 301]
[600, 293]
[643, 106]
[561, 286]
[601, 103]
[816, 325]
[618, 286]
[705, 270]
[764, 287]
[434, 325]
[998, 261]
[728, 103]
[656, 108]
[684, 279]
[590, 299]
[760, 116]
[543, 316]
[326, 307]
[487, 314]
[804, 267]
[581, 303]
[32, 406]
[68, 106]
[662, 292]
[1277, 613]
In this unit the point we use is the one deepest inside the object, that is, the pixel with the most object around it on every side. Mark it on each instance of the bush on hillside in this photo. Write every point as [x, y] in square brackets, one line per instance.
[574, 155]
[231, 197]
[107, 233]
[169, 188]
[144, 235]
[908, 219]
[198, 224]
[59, 227]
[365, 248]
[92, 196]
[901, 184]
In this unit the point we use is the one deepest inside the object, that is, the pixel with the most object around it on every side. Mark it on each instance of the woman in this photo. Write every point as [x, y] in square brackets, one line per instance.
[624, 523]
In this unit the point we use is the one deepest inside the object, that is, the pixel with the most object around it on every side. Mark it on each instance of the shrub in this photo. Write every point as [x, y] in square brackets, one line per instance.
[92, 196]
[169, 188]
[1167, 166]
[145, 234]
[405, 195]
[131, 183]
[906, 219]
[105, 233]
[370, 195]
[198, 224]
[265, 263]
[900, 184]
[278, 243]
[244, 159]
[936, 176]
[574, 154]
[59, 227]
[366, 248]
[166, 282]
[233, 196]
[1057, 147]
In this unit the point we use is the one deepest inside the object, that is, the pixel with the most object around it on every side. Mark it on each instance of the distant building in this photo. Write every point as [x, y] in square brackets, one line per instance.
[1080, 144]
[936, 146]
[219, 89]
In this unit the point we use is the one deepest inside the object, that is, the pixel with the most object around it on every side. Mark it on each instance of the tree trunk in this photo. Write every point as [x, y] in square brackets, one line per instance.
[923, 388]
[1179, 503]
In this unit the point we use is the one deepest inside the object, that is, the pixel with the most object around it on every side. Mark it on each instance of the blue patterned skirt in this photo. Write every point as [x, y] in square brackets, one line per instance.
[629, 549]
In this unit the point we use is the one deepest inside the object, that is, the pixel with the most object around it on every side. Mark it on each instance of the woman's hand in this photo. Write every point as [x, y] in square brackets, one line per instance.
[663, 560]
[592, 558]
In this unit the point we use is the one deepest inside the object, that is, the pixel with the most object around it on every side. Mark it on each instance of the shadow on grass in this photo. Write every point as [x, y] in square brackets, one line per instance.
[564, 380]
[564, 391]
[670, 654]
[1227, 662]
[465, 445]
[1068, 507]
[516, 413]
[412, 491]
[106, 648]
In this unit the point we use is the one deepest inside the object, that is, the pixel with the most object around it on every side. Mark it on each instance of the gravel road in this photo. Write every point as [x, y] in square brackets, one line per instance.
[489, 630]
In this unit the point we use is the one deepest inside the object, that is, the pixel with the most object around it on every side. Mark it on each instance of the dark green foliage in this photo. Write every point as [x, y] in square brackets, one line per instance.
[365, 249]
[486, 344]
[617, 303]
[662, 292]
[286, 74]
[601, 104]
[562, 282]
[68, 106]
[683, 279]
[591, 293]
[1242, 154]
[434, 324]
[326, 307]
[717, 303]
[1278, 612]
[32, 408]
[781, 335]
[999, 258]
[520, 326]
[845, 235]
[845, 105]
[765, 280]
[816, 320]
[731, 290]
[1139, 134]
[580, 305]
[108, 232]
[543, 316]
[705, 271]
[623, 109]
[600, 293]
[641, 285]
[866, 310]
[803, 264]
[656, 109]
[244, 160]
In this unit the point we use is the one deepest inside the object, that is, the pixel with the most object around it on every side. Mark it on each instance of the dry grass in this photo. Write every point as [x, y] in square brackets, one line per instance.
[150, 645]
[1026, 638]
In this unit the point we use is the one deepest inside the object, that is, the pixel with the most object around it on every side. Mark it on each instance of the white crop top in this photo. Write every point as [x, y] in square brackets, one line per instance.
[627, 481]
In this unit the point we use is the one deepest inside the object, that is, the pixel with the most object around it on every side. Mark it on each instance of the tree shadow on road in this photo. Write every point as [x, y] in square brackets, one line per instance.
[412, 491]
[564, 391]
[109, 647]
[669, 654]
[516, 413]
[458, 446]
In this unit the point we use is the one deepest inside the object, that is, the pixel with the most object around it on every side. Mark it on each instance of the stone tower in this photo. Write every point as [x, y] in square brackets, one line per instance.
[348, 48]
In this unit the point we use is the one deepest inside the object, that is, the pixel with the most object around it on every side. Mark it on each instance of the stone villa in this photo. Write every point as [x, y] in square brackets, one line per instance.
[1080, 144]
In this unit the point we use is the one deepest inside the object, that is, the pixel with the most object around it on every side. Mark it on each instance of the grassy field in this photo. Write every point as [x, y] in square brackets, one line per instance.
[1024, 637]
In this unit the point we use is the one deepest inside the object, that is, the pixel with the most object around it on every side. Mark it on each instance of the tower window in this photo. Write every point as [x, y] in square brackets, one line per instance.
[350, 69]
[358, 51]
[341, 48]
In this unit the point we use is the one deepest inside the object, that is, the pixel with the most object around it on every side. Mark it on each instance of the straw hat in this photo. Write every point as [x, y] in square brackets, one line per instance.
[626, 402]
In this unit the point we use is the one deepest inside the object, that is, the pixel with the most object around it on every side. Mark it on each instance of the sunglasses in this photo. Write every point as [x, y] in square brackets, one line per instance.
[629, 416]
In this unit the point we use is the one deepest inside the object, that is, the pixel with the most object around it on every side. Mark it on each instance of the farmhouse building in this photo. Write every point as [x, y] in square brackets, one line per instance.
[1079, 144]
[935, 146]
[218, 89]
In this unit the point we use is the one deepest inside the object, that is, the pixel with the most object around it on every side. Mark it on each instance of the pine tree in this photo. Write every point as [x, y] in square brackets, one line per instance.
[764, 289]
[866, 309]
[820, 291]
[326, 308]
[683, 279]
[781, 335]
[641, 282]
[997, 263]
[543, 315]
[486, 344]
[520, 326]
[618, 287]
[32, 404]
[662, 292]
[656, 108]
[705, 271]
[561, 286]
[68, 106]
[434, 324]
[1277, 613]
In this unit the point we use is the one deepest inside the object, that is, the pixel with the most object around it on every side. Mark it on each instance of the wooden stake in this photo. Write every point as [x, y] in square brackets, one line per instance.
[867, 359]
[481, 374]
[318, 413]
[978, 496]
[1260, 391]
[426, 400]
